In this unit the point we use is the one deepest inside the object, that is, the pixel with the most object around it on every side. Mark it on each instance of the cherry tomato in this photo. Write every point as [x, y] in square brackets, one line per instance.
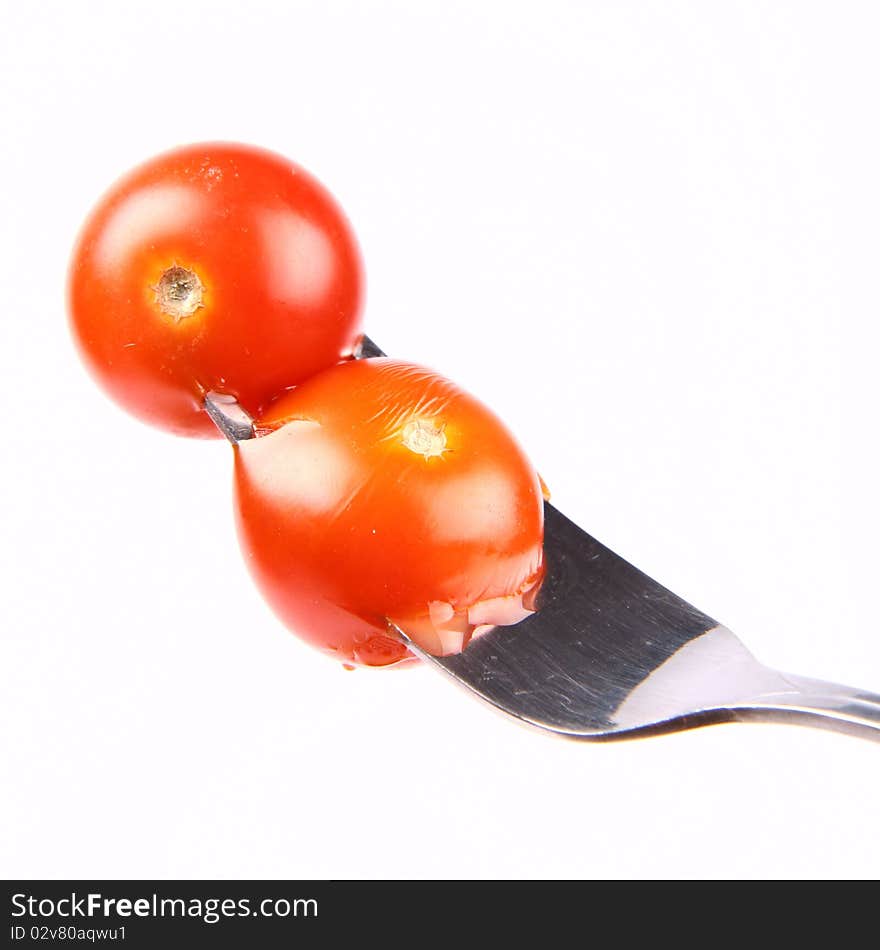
[379, 491]
[213, 267]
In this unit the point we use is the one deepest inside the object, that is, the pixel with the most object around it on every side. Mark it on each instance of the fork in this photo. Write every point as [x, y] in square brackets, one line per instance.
[610, 653]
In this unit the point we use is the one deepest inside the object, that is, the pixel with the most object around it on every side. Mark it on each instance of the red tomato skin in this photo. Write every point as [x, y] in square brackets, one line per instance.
[344, 526]
[280, 268]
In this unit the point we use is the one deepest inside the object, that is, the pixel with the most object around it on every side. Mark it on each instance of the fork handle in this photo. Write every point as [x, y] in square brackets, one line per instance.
[816, 703]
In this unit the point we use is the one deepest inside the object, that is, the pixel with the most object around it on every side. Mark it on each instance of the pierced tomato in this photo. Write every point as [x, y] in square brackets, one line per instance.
[213, 267]
[379, 491]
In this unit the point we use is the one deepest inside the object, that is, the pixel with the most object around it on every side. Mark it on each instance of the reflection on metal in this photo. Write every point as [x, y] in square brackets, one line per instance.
[225, 412]
[367, 349]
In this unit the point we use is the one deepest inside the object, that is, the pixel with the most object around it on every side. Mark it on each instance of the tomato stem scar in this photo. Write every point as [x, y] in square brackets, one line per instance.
[424, 438]
[179, 292]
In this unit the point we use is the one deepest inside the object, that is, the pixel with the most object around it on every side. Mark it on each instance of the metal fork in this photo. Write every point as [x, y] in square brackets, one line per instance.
[610, 653]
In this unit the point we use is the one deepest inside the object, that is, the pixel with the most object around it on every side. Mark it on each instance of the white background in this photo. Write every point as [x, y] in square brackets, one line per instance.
[647, 234]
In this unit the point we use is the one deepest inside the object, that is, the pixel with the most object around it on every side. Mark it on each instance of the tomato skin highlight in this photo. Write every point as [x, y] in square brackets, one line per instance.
[380, 491]
[277, 291]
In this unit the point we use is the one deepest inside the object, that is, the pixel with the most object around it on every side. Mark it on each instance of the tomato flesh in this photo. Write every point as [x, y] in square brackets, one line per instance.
[379, 491]
[213, 267]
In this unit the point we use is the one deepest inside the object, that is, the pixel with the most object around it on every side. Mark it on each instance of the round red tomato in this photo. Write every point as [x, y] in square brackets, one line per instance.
[379, 491]
[213, 267]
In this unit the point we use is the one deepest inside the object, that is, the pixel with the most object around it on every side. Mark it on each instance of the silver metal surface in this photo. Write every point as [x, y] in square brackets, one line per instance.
[367, 349]
[229, 417]
[610, 653]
